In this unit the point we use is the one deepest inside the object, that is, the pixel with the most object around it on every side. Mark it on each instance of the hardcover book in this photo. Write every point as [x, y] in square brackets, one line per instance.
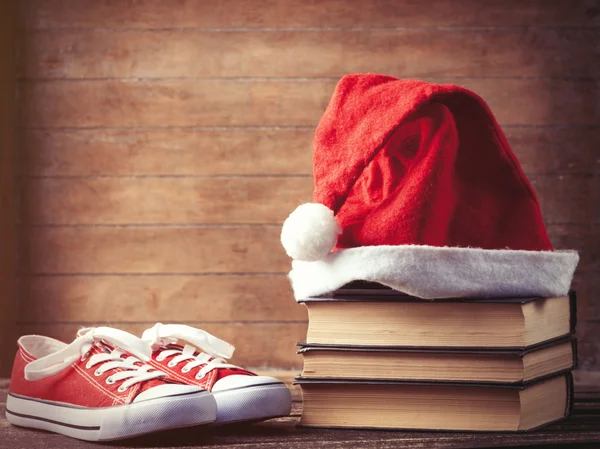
[435, 406]
[392, 320]
[456, 365]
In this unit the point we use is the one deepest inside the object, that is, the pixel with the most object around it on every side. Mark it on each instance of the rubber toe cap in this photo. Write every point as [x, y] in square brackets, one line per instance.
[166, 390]
[241, 381]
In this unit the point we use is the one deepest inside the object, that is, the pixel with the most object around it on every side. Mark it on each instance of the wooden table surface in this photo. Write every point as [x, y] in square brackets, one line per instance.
[580, 430]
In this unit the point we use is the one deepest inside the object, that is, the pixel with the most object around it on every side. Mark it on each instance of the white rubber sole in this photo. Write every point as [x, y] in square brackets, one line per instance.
[252, 403]
[112, 423]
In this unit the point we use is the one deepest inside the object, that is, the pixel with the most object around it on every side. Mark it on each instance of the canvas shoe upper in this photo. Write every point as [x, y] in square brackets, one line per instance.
[195, 357]
[97, 388]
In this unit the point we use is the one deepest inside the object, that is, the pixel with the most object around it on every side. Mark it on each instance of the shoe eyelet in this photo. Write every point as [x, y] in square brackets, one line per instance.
[87, 365]
[185, 369]
[171, 364]
[160, 358]
[110, 380]
[97, 373]
[122, 389]
[200, 376]
[84, 357]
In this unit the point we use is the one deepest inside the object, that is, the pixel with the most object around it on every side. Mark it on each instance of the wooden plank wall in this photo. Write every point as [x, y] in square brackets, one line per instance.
[8, 248]
[164, 143]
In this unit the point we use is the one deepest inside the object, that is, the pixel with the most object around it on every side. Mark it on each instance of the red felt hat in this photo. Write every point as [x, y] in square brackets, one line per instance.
[415, 179]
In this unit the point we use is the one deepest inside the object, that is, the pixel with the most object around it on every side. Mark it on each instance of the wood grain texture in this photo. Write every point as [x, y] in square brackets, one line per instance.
[304, 13]
[588, 348]
[266, 345]
[586, 382]
[174, 151]
[173, 103]
[151, 250]
[4, 384]
[248, 151]
[8, 151]
[529, 52]
[263, 200]
[583, 238]
[181, 250]
[164, 200]
[275, 103]
[167, 298]
[568, 198]
[564, 150]
[587, 286]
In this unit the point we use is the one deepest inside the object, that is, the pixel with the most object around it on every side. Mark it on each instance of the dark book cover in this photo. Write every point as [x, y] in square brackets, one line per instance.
[518, 352]
[337, 381]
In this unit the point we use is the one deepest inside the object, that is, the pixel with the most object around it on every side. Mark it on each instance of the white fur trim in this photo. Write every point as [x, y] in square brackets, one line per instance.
[310, 232]
[440, 272]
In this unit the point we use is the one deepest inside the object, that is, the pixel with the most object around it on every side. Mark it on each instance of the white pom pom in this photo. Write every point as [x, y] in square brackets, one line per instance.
[310, 232]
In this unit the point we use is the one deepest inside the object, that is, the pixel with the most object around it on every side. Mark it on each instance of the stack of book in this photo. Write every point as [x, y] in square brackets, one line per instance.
[375, 358]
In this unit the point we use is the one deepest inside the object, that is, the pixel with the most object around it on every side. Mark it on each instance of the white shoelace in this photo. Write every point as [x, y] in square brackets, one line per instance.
[130, 372]
[213, 351]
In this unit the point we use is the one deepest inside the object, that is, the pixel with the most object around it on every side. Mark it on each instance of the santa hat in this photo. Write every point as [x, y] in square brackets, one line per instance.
[416, 188]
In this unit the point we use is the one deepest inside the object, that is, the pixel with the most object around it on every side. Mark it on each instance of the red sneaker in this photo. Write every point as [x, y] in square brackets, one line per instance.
[96, 389]
[195, 357]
